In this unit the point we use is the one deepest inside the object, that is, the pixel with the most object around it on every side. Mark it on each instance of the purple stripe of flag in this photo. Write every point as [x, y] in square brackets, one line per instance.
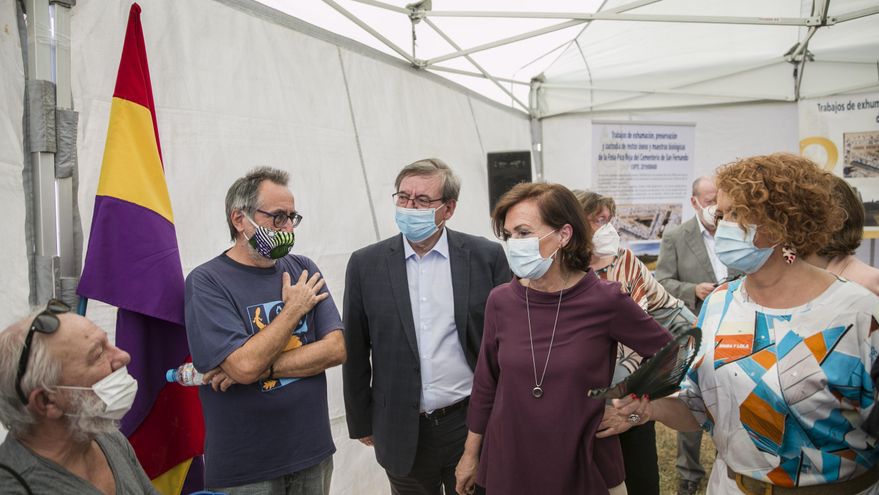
[132, 261]
[155, 347]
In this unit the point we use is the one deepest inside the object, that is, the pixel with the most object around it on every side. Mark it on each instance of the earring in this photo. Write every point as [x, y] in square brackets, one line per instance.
[789, 253]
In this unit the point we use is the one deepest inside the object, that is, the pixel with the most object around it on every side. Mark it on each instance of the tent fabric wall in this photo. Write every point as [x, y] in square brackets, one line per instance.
[14, 291]
[234, 90]
[723, 133]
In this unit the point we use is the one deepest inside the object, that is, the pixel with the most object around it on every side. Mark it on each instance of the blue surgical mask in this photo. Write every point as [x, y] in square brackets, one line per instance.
[735, 248]
[524, 258]
[417, 224]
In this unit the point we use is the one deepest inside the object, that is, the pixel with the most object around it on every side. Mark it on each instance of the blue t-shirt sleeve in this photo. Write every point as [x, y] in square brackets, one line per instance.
[326, 314]
[213, 325]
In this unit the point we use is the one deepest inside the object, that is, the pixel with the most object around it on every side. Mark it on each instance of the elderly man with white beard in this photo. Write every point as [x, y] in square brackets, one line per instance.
[63, 389]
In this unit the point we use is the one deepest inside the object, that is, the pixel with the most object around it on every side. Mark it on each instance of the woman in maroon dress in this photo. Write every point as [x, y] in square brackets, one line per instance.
[550, 334]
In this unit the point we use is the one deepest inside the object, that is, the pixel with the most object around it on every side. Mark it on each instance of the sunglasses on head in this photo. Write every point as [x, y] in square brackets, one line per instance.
[45, 322]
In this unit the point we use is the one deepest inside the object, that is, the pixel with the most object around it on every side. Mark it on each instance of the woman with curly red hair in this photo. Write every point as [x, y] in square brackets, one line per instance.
[785, 389]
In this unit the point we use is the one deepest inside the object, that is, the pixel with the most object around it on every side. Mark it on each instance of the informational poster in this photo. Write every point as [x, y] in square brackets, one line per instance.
[505, 170]
[841, 133]
[648, 169]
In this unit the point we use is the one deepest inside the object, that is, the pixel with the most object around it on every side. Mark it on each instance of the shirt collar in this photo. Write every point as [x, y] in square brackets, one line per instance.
[441, 247]
[702, 228]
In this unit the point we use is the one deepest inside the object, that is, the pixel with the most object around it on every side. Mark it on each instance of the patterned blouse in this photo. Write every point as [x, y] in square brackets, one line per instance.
[784, 392]
[635, 280]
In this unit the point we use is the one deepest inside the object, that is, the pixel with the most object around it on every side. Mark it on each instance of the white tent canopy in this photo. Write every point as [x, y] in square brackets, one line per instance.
[574, 56]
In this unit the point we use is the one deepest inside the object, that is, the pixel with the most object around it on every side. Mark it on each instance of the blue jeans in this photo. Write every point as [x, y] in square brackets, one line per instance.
[314, 480]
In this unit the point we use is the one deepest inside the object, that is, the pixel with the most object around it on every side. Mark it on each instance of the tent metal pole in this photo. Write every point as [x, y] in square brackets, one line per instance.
[502, 42]
[820, 7]
[386, 6]
[64, 101]
[856, 14]
[847, 89]
[675, 90]
[613, 16]
[476, 74]
[763, 96]
[366, 27]
[484, 72]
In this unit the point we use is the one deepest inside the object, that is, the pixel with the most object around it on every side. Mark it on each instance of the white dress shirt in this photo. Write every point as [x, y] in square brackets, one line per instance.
[720, 271]
[446, 377]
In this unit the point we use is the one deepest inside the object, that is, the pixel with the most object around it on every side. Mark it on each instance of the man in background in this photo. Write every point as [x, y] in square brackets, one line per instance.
[689, 269]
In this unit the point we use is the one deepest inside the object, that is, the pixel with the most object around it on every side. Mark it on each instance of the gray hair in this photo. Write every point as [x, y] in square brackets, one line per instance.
[242, 195]
[43, 371]
[433, 166]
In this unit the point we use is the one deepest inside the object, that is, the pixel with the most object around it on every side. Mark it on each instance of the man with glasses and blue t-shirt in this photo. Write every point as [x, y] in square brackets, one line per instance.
[263, 328]
[413, 310]
[63, 389]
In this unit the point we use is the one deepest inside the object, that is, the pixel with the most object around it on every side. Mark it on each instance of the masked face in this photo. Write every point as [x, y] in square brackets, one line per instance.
[116, 392]
[708, 214]
[84, 418]
[735, 248]
[606, 241]
[417, 225]
[272, 244]
[524, 257]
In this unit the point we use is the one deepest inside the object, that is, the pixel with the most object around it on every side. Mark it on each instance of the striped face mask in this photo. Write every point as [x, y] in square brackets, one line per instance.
[272, 244]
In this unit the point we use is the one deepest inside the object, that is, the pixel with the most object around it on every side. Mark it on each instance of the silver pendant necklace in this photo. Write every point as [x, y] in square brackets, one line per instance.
[537, 391]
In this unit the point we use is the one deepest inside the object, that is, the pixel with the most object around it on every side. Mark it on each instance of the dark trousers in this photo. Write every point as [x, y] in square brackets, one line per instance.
[640, 460]
[689, 448]
[440, 445]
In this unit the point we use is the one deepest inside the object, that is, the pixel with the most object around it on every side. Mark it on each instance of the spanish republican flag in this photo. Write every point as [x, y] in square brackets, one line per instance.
[133, 263]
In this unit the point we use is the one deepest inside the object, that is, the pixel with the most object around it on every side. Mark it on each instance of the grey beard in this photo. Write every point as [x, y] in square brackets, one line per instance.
[84, 421]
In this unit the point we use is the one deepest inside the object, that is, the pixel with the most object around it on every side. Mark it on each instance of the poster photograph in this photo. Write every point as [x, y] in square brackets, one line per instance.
[841, 134]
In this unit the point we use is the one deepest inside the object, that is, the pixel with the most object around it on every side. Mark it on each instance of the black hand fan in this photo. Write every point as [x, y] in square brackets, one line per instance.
[662, 374]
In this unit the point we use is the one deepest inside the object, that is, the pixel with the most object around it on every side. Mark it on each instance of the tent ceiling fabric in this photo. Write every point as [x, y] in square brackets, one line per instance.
[594, 55]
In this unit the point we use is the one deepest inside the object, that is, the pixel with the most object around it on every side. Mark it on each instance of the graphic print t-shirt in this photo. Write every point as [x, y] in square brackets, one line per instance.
[269, 428]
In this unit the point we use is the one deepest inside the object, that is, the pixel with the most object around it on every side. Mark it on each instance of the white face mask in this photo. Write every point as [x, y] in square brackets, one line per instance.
[707, 213]
[116, 390]
[606, 241]
[524, 258]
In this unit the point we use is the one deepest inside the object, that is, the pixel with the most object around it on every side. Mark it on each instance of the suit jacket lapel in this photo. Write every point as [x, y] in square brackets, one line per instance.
[459, 259]
[400, 289]
[693, 236]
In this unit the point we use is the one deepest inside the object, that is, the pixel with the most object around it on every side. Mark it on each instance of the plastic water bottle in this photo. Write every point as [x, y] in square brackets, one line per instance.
[185, 375]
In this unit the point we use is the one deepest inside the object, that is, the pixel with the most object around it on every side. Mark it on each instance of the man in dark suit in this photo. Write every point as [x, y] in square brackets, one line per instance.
[413, 312]
[689, 269]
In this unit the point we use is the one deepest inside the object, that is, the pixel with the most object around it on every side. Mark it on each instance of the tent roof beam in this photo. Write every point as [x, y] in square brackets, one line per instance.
[484, 72]
[366, 27]
[855, 14]
[615, 16]
[502, 42]
[440, 68]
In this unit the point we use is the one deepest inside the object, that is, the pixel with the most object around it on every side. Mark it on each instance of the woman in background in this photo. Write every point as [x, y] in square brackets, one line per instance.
[838, 257]
[614, 263]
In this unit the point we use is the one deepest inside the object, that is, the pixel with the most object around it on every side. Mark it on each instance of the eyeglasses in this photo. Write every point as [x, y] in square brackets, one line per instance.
[280, 218]
[46, 322]
[402, 199]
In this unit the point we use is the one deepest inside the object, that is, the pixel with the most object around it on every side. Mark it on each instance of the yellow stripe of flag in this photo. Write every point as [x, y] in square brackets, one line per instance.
[171, 481]
[131, 141]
